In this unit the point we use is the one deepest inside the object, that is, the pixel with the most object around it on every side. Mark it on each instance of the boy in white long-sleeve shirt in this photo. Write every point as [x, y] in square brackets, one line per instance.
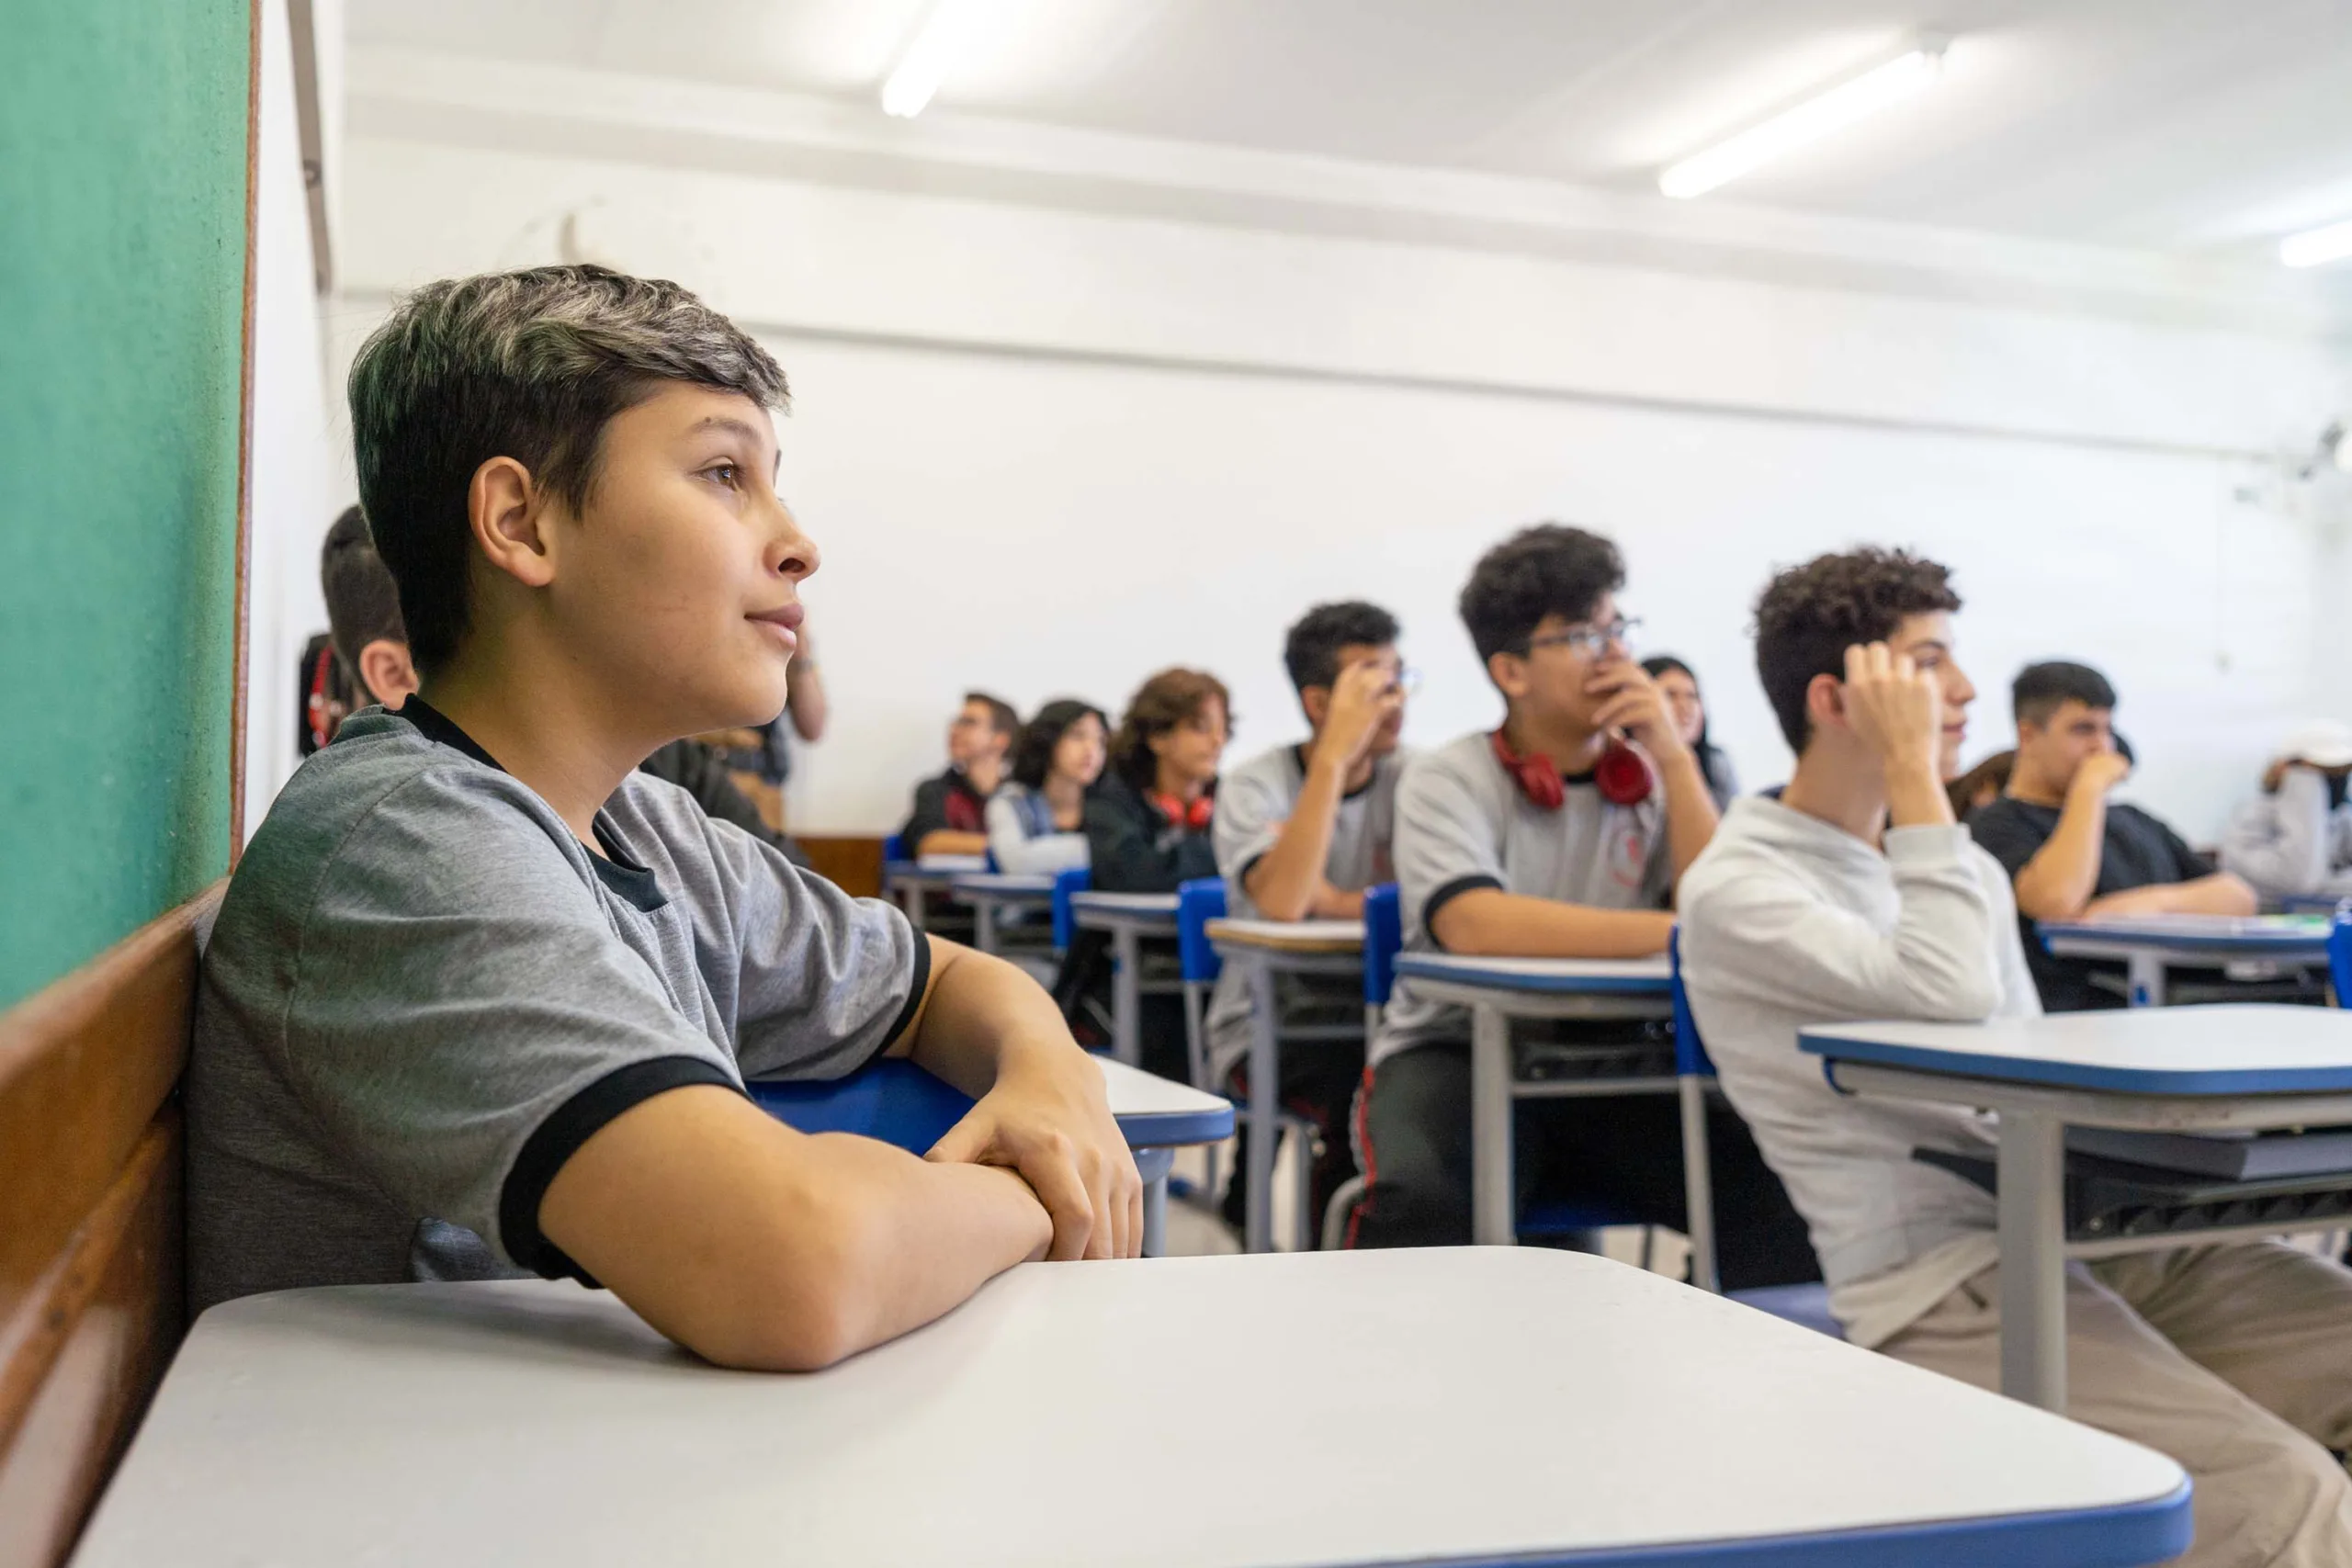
[1855, 896]
[2294, 840]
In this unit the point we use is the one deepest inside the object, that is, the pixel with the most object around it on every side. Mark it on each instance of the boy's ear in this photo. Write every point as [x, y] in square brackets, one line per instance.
[1824, 702]
[504, 506]
[388, 672]
[1316, 703]
[1509, 673]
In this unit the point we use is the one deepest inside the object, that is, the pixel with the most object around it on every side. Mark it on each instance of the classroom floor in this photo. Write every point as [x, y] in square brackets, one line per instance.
[1196, 1231]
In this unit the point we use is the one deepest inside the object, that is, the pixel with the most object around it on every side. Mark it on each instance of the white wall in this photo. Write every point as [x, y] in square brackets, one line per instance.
[1049, 451]
[295, 494]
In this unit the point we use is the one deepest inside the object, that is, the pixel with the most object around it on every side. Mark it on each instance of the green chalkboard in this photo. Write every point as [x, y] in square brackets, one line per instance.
[122, 259]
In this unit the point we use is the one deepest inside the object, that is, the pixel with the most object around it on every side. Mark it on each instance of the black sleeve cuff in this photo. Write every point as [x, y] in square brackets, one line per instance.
[914, 998]
[1447, 895]
[559, 1137]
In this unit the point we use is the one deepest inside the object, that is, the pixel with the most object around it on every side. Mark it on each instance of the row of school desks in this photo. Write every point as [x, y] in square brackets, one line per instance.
[1477, 1406]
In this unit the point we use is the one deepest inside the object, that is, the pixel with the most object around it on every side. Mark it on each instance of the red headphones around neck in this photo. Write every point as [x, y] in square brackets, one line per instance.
[1196, 816]
[1623, 776]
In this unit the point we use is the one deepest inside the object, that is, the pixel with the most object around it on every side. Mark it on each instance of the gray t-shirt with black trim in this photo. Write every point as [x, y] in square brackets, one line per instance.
[1462, 824]
[424, 994]
[1253, 805]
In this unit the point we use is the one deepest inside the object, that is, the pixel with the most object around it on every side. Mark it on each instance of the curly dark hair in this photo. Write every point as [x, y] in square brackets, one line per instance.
[1033, 754]
[1549, 569]
[1311, 649]
[1809, 615]
[1159, 704]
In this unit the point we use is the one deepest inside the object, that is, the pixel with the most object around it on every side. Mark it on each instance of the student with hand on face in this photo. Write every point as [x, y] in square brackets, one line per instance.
[1560, 834]
[1301, 832]
[1679, 686]
[950, 814]
[1037, 820]
[2071, 852]
[1855, 896]
[2294, 840]
[481, 997]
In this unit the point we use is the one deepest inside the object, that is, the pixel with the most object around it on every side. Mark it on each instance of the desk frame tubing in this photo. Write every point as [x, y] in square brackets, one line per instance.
[1698, 1181]
[1126, 995]
[2146, 972]
[2032, 1217]
[1153, 1165]
[1263, 1119]
[984, 923]
[1494, 1212]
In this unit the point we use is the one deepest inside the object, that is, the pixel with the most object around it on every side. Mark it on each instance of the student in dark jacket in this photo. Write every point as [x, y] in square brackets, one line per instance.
[1147, 831]
[1148, 825]
[950, 816]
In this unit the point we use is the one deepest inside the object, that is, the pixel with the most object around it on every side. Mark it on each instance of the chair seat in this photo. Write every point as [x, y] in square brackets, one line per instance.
[1807, 1306]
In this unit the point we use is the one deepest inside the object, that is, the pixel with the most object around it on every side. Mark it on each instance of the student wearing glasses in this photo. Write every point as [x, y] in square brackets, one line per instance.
[1559, 834]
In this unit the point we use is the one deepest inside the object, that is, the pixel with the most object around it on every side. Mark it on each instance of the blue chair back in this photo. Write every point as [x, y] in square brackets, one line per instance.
[2339, 959]
[1077, 879]
[1198, 902]
[893, 1101]
[894, 849]
[1384, 938]
[1690, 1052]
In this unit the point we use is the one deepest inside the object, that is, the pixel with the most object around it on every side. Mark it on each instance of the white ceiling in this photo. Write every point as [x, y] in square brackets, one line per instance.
[2188, 126]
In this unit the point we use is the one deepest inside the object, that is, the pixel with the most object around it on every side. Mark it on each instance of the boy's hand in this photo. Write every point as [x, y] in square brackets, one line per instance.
[1635, 706]
[1362, 699]
[1897, 711]
[1047, 1119]
[2100, 772]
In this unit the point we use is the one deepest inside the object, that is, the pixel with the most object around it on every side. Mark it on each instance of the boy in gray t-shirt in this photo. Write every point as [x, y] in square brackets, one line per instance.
[482, 998]
[1561, 834]
[1301, 832]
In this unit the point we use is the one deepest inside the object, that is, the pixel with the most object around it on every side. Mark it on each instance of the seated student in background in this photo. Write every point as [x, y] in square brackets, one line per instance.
[481, 997]
[1680, 688]
[1854, 895]
[950, 814]
[1301, 832]
[2071, 853]
[1037, 820]
[2294, 840]
[1560, 834]
[1148, 830]
[363, 615]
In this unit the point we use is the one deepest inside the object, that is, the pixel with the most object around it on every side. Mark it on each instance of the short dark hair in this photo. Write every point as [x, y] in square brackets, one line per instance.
[363, 603]
[2041, 690]
[1033, 754]
[1159, 704]
[531, 366]
[1809, 615]
[1549, 569]
[1002, 719]
[1311, 649]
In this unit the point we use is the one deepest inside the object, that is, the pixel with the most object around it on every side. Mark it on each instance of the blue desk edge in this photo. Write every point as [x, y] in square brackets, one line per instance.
[2072, 1075]
[1417, 967]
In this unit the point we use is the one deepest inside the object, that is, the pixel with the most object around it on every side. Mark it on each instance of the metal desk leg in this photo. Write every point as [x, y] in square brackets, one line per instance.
[1258, 1229]
[2147, 980]
[1153, 1166]
[1494, 1219]
[1127, 996]
[2033, 1259]
[984, 923]
[1698, 1182]
[917, 905]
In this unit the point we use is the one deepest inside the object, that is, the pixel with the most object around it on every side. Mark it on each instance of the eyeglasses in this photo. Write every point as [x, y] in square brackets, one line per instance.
[1407, 681]
[1590, 641]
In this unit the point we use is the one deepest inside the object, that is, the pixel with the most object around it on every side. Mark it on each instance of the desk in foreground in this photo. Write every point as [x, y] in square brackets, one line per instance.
[1429, 1406]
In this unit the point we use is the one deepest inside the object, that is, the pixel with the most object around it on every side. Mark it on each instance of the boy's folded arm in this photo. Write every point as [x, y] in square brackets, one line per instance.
[992, 1031]
[760, 1248]
[1492, 923]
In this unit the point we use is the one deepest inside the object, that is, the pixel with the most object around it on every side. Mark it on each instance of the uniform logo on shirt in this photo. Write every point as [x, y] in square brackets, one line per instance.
[1629, 854]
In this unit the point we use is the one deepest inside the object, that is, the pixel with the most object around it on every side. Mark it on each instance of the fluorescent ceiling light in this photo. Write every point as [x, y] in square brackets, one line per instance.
[1816, 117]
[946, 36]
[2317, 247]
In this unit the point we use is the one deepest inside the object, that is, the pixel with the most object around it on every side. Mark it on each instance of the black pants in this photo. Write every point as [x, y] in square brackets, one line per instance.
[1317, 1082]
[1413, 1133]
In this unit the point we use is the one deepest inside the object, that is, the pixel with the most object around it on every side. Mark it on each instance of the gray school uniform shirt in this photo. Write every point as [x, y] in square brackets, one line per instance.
[1253, 802]
[1462, 824]
[424, 994]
